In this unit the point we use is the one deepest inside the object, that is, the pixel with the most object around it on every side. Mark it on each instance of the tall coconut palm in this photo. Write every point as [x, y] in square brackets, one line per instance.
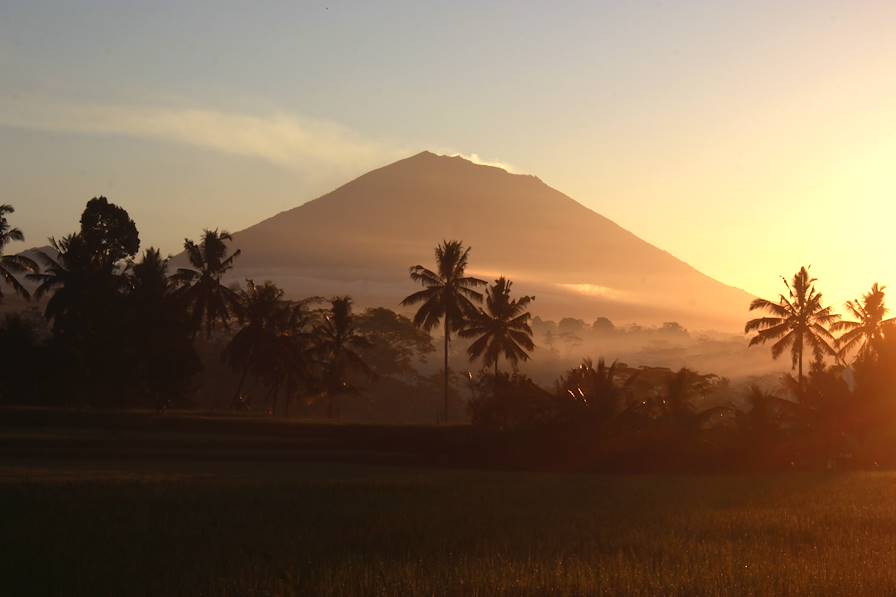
[448, 295]
[10, 265]
[209, 300]
[293, 350]
[866, 331]
[262, 307]
[502, 327]
[796, 320]
[338, 343]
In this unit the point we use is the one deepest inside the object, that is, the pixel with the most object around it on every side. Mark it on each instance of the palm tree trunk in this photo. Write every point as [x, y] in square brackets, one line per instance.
[496, 377]
[275, 394]
[446, 369]
[239, 387]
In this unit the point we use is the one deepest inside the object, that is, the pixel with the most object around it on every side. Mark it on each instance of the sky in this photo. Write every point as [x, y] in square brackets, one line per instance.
[747, 139]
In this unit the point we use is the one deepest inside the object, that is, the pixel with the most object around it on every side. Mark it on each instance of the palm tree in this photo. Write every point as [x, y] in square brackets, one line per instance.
[503, 327]
[161, 347]
[201, 287]
[338, 343]
[81, 290]
[866, 331]
[293, 350]
[448, 295]
[596, 391]
[149, 278]
[796, 320]
[273, 342]
[12, 264]
[262, 307]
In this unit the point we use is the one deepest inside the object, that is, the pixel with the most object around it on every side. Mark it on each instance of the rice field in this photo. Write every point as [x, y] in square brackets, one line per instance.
[175, 527]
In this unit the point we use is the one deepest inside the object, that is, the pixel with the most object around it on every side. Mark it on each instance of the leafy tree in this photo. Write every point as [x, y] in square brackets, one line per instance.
[339, 345]
[796, 320]
[603, 326]
[570, 326]
[448, 295]
[502, 327]
[208, 299]
[396, 341]
[673, 328]
[865, 332]
[571, 331]
[10, 265]
[109, 233]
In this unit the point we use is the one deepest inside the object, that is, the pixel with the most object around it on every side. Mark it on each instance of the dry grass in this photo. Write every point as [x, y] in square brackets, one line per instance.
[216, 528]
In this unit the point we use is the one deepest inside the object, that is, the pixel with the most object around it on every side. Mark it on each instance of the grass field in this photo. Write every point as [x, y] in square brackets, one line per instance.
[176, 527]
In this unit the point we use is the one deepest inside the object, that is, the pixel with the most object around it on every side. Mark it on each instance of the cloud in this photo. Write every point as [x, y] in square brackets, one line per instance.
[279, 138]
[474, 157]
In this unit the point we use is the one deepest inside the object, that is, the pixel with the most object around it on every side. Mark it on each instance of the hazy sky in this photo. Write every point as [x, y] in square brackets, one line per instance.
[746, 138]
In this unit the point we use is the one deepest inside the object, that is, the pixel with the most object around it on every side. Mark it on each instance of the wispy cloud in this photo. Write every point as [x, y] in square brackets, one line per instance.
[279, 138]
[476, 159]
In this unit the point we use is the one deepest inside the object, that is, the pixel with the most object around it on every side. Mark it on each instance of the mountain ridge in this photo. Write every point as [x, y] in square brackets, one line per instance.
[361, 237]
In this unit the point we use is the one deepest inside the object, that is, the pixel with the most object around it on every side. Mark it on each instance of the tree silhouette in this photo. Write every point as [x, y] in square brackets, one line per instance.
[109, 233]
[339, 345]
[160, 344]
[10, 265]
[866, 331]
[273, 342]
[397, 342]
[207, 298]
[595, 392]
[502, 327]
[291, 365]
[796, 320]
[89, 307]
[261, 307]
[448, 295]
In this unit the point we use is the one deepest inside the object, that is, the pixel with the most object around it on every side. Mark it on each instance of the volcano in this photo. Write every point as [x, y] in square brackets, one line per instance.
[361, 238]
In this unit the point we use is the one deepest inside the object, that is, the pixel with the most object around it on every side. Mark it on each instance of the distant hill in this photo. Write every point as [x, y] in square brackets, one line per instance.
[361, 238]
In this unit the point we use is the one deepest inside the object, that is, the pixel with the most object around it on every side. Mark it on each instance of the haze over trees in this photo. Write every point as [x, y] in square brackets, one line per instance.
[121, 330]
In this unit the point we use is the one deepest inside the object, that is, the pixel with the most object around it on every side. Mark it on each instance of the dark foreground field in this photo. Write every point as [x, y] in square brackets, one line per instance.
[177, 525]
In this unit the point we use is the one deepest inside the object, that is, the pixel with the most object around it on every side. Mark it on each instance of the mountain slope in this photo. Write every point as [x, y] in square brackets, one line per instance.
[362, 237]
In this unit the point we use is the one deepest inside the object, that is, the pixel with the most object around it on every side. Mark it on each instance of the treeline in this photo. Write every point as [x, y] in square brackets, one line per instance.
[841, 412]
[127, 329]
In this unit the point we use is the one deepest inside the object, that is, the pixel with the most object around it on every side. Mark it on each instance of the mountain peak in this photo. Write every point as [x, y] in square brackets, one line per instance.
[362, 237]
[472, 159]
